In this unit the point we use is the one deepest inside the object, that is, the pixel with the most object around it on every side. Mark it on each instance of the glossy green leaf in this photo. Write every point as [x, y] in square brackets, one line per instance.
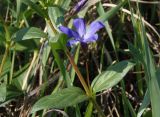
[28, 33]
[111, 76]
[56, 15]
[64, 98]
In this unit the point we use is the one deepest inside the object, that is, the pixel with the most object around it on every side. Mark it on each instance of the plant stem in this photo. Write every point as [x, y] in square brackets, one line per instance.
[4, 58]
[78, 73]
[98, 108]
[51, 25]
[89, 109]
[88, 91]
[12, 67]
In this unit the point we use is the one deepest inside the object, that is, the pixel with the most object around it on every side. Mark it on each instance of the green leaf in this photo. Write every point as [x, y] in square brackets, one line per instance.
[58, 41]
[145, 103]
[150, 72]
[18, 9]
[158, 76]
[111, 12]
[112, 76]
[3, 91]
[28, 33]
[26, 45]
[8, 92]
[64, 4]
[101, 11]
[18, 78]
[56, 15]
[6, 68]
[12, 92]
[135, 52]
[37, 8]
[64, 98]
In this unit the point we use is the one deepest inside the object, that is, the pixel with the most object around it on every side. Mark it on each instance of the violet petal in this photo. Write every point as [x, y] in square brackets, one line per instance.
[94, 27]
[68, 32]
[92, 38]
[79, 24]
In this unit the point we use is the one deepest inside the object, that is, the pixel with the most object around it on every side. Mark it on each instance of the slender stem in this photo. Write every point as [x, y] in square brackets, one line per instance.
[60, 82]
[89, 109]
[84, 83]
[12, 67]
[4, 58]
[78, 73]
[7, 36]
[51, 25]
[98, 108]
[29, 69]
[88, 82]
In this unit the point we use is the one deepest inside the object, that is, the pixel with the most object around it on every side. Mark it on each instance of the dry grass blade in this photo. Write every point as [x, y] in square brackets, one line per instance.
[136, 16]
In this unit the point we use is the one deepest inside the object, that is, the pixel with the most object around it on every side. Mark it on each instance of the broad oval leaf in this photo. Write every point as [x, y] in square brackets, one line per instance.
[28, 33]
[64, 98]
[56, 14]
[112, 76]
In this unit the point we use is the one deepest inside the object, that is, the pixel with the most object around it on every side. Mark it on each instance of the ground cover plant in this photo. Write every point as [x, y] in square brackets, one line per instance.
[79, 58]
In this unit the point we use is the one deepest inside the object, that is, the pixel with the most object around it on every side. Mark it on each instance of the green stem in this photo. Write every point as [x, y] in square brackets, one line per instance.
[60, 81]
[29, 69]
[88, 91]
[4, 58]
[98, 108]
[51, 25]
[12, 67]
[89, 109]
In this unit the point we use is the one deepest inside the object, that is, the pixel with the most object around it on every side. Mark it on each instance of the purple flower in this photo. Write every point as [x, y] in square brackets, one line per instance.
[81, 34]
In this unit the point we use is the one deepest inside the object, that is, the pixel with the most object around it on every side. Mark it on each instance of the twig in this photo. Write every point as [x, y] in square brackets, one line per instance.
[146, 2]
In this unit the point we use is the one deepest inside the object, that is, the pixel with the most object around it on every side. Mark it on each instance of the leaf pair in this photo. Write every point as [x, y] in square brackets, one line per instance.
[74, 95]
